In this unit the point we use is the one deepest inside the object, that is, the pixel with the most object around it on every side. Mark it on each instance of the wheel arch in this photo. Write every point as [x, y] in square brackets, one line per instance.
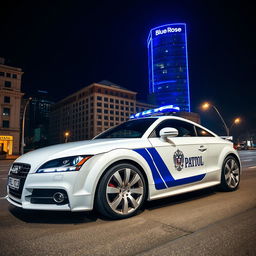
[123, 161]
[228, 151]
[236, 157]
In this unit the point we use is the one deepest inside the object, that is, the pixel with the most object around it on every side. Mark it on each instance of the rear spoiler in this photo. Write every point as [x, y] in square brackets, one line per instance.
[230, 138]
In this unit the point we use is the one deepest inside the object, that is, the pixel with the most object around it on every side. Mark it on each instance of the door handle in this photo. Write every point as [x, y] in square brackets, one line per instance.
[202, 148]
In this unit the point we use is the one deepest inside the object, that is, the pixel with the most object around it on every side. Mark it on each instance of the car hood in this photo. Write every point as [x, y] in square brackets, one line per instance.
[88, 147]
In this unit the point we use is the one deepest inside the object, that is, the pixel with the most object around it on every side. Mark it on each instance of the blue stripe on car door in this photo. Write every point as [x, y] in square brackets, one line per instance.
[161, 174]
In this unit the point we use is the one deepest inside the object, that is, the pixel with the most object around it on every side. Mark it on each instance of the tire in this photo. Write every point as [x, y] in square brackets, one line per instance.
[230, 175]
[121, 192]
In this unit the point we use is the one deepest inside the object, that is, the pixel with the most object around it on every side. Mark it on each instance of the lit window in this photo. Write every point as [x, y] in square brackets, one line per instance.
[6, 112]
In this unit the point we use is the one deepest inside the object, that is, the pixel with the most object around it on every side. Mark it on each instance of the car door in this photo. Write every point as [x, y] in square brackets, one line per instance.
[214, 146]
[180, 160]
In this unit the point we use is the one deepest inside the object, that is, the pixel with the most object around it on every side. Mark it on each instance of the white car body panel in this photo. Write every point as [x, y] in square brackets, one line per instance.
[81, 185]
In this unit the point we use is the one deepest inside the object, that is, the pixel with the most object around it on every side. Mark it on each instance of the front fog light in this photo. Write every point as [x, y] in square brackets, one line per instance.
[58, 197]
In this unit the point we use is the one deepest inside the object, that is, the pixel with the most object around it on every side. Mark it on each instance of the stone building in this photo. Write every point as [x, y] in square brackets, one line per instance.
[10, 100]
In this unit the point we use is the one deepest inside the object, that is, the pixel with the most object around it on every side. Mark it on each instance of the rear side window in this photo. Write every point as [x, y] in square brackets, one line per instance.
[202, 133]
[185, 129]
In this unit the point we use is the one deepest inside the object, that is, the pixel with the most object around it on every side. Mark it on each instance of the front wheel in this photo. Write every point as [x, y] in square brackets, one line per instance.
[121, 192]
[230, 176]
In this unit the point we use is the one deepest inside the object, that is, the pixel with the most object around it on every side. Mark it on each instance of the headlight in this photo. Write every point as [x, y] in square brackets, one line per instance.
[65, 164]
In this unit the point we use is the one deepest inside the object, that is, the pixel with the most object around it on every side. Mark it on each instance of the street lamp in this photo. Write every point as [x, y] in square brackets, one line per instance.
[66, 135]
[207, 105]
[23, 127]
[235, 122]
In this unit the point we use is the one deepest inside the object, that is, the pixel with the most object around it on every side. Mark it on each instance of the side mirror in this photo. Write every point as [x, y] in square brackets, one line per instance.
[168, 132]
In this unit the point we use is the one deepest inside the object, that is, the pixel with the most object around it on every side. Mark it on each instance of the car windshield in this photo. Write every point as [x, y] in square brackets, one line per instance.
[130, 129]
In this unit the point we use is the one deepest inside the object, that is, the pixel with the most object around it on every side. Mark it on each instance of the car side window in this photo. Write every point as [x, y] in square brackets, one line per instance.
[184, 129]
[202, 133]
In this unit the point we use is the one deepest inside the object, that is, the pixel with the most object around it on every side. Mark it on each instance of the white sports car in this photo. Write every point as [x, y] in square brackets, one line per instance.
[141, 159]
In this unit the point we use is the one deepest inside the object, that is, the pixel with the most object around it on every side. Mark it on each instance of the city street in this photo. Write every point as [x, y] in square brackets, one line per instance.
[206, 222]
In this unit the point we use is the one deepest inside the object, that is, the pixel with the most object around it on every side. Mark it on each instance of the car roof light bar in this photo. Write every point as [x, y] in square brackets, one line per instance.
[167, 110]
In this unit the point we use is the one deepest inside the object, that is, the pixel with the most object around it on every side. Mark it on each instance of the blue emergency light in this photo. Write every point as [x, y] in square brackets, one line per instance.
[156, 111]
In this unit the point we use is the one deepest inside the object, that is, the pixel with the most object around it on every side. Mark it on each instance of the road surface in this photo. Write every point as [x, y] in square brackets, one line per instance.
[206, 222]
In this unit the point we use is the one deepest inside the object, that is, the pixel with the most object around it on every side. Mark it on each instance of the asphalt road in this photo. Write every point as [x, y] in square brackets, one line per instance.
[206, 222]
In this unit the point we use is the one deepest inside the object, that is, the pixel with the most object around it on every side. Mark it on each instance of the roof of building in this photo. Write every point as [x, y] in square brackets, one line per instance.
[109, 83]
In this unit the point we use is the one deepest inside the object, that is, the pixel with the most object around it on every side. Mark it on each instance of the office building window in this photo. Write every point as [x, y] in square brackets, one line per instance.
[7, 99]
[6, 124]
[6, 112]
[14, 76]
[1, 73]
[8, 75]
[7, 84]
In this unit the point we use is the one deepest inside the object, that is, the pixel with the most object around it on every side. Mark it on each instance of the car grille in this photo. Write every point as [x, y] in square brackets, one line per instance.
[19, 171]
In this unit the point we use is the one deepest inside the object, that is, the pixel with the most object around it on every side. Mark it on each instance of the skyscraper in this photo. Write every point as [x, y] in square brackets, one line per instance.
[168, 66]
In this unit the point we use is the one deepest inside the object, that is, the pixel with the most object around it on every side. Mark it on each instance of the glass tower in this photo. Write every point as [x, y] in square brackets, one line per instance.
[168, 66]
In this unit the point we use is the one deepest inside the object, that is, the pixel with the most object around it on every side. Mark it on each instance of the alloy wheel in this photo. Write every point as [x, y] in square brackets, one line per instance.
[125, 191]
[232, 173]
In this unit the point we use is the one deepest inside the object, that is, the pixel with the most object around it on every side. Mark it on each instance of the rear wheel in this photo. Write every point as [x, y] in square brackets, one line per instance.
[121, 192]
[230, 176]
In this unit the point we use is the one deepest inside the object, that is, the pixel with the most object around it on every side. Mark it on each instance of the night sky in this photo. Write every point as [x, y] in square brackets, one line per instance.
[63, 46]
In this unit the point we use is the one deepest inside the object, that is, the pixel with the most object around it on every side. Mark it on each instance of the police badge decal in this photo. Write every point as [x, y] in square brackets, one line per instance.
[178, 159]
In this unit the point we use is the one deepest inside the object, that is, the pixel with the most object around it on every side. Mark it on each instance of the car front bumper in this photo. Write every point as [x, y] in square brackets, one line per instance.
[78, 198]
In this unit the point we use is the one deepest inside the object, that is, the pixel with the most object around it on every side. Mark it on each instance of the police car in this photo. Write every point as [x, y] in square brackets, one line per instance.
[116, 172]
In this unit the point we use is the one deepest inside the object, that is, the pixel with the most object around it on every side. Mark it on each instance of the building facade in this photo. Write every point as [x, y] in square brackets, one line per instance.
[90, 111]
[168, 66]
[142, 106]
[10, 102]
[37, 119]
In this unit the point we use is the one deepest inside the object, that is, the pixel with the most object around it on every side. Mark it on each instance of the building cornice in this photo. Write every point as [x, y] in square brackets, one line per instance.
[11, 92]
[18, 70]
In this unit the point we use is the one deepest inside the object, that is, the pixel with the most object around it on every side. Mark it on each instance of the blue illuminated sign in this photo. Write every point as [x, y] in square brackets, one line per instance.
[167, 30]
[168, 65]
[150, 112]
